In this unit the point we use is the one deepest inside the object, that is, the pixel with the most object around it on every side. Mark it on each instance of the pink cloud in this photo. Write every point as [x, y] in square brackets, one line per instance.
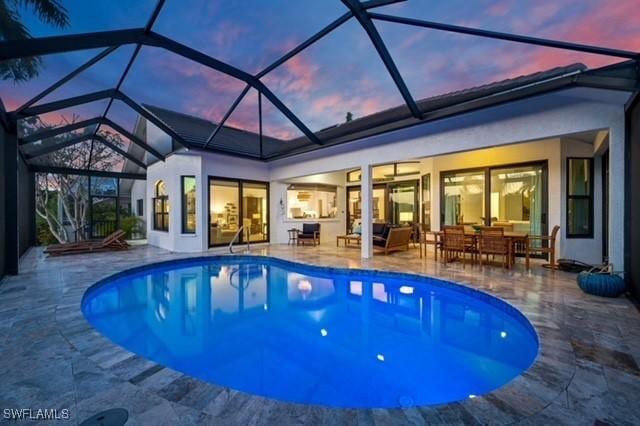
[227, 33]
[500, 8]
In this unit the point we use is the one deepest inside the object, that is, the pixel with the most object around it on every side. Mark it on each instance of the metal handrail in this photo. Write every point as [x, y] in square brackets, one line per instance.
[236, 236]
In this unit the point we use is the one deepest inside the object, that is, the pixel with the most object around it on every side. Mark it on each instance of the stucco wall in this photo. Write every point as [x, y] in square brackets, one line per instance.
[201, 165]
[542, 118]
[171, 171]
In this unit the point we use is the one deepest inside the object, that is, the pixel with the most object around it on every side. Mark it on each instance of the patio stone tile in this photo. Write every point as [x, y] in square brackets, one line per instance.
[587, 369]
[608, 357]
[131, 367]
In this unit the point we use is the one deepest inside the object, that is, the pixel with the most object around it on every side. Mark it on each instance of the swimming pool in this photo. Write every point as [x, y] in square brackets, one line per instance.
[308, 334]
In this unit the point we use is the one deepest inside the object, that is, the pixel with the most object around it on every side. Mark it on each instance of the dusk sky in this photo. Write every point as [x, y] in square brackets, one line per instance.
[340, 73]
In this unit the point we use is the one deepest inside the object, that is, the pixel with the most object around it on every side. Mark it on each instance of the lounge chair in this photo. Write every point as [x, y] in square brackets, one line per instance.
[393, 239]
[113, 241]
[310, 234]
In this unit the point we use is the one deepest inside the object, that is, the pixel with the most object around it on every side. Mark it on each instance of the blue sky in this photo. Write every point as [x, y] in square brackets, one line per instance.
[340, 73]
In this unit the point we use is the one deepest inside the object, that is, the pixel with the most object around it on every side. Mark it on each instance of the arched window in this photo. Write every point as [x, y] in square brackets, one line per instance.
[161, 207]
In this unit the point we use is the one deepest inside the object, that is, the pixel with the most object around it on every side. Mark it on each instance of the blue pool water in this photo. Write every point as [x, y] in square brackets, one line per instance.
[315, 335]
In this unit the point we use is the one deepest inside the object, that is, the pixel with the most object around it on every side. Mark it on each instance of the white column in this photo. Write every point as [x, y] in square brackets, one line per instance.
[366, 194]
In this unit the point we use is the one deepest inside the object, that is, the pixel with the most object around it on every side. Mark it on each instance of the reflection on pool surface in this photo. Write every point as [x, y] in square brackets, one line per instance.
[315, 335]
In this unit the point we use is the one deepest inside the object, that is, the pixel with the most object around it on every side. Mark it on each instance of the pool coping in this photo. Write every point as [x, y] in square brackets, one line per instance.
[524, 396]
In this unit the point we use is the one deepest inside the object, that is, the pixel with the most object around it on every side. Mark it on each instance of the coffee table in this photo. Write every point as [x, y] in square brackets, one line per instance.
[348, 239]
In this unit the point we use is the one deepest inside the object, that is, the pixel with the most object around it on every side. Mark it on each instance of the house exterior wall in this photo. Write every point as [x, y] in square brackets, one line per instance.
[175, 166]
[538, 119]
[522, 131]
[198, 164]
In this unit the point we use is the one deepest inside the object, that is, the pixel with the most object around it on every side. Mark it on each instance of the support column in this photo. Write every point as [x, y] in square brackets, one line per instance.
[11, 201]
[616, 196]
[366, 195]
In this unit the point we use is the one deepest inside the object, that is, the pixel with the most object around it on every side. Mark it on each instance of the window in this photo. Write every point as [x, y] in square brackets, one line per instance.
[188, 204]
[354, 176]
[161, 208]
[426, 201]
[140, 207]
[579, 198]
[387, 172]
[311, 201]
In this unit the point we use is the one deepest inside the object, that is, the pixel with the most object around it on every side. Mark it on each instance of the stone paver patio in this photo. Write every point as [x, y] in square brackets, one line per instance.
[50, 356]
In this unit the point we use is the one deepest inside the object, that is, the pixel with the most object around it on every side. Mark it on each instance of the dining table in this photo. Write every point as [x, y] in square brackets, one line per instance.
[519, 241]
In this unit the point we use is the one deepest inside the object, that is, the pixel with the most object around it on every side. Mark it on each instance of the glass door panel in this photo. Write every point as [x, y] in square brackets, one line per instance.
[403, 202]
[426, 202]
[224, 204]
[379, 203]
[354, 206]
[255, 210]
[517, 201]
[463, 198]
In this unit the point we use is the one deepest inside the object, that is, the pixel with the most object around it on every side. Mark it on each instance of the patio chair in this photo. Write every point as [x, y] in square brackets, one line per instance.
[393, 239]
[551, 246]
[492, 242]
[431, 238]
[456, 244]
[310, 234]
[113, 241]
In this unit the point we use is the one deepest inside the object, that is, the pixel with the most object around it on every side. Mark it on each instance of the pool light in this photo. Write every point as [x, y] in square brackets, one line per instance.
[405, 289]
[304, 287]
[380, 357]
[503, 334]
[324, 332]
[471, 396]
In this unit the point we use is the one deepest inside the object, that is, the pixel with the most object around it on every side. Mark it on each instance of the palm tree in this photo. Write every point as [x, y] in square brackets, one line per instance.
[51, 12]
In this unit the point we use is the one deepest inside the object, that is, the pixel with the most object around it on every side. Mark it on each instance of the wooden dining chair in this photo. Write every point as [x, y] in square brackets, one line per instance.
[455, 243]
[431, 238]
[493, 242]
[550, 249]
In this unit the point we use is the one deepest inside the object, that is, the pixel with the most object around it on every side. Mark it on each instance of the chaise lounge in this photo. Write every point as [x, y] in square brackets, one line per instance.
[112, 242]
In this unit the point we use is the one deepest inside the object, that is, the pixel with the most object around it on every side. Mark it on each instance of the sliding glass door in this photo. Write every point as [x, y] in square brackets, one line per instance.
[511, 196]
[255, 206]
[354, 209]
[235, 203]
[463, 198]
[403, 202]
[224, 210]
[517, 198]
